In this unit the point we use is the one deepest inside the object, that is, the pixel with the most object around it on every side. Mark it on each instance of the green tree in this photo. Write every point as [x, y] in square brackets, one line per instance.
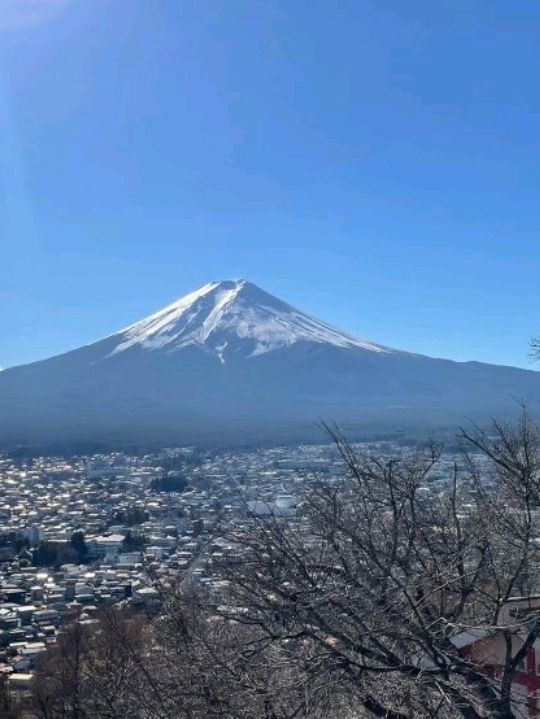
[77, 542]
[133, 543]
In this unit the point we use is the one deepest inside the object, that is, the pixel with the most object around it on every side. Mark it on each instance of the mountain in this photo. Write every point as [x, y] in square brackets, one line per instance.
[230, 362]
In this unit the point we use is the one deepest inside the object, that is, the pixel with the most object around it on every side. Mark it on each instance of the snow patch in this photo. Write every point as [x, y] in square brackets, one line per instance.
[234, 315]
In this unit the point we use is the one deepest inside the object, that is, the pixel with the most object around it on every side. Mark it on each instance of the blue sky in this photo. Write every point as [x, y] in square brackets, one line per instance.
[375, 163]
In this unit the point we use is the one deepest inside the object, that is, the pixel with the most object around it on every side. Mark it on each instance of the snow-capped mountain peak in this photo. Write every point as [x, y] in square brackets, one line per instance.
[231, 363]
[232, 316]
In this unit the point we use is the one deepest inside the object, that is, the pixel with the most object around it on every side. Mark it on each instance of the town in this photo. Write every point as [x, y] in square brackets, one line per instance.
[112, 528]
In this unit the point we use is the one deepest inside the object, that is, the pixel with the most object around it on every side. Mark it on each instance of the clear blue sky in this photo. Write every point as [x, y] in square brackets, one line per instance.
[375, 162]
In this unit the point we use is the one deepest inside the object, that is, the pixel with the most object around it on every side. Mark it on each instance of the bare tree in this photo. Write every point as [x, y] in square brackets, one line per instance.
[381, 574]
[9, 708]
[362, 605]
[534, 348]
[234, 670]
[93, 671]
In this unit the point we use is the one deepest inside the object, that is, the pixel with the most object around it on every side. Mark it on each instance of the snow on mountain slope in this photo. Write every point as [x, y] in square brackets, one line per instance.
[229, 362]
[233, 316]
